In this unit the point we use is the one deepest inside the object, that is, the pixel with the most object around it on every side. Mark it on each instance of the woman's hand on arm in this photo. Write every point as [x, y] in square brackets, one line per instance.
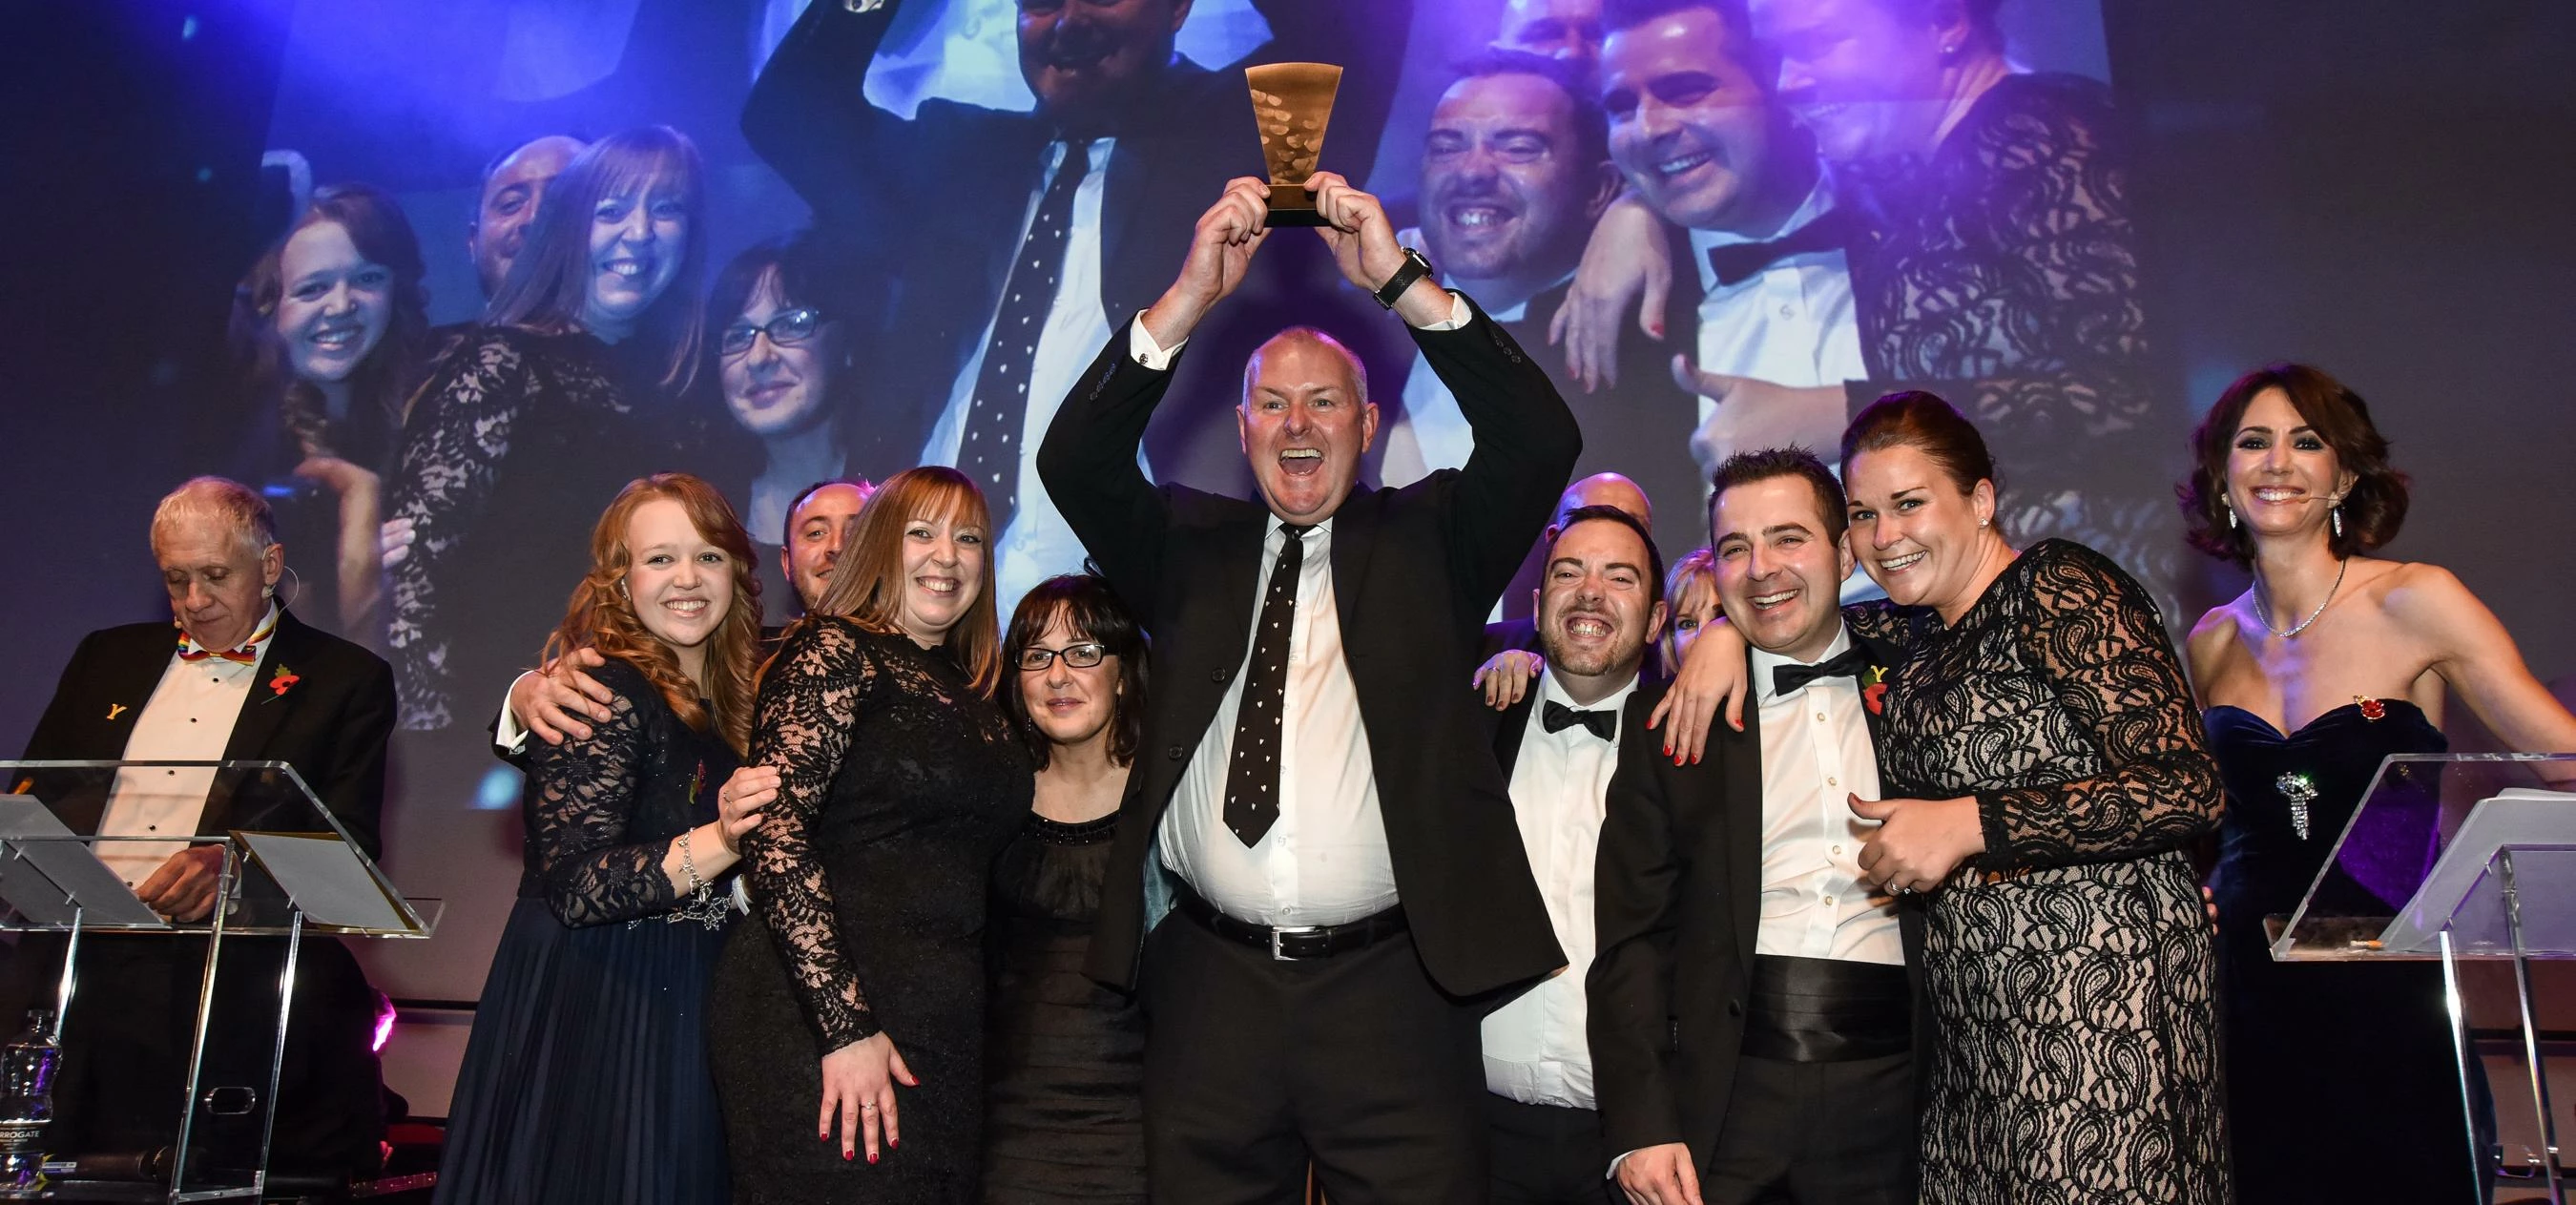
[1627, 261]
[1918, 842]
[1506, 676]
[1713, 678]
[858, 1092]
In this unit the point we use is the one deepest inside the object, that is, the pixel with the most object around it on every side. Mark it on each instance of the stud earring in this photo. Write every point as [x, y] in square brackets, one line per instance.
[1950, 52]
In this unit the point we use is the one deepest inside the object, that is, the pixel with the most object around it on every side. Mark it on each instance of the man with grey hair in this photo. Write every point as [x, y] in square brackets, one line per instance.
[241, 678]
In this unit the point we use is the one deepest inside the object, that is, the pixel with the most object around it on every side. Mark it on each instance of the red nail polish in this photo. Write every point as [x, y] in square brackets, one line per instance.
[894, 1144]
[846, 1156]
[872, 1158]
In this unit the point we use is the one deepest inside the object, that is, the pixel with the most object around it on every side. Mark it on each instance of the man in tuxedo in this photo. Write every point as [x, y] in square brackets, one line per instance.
[1515, 171]
[1601, 608]
[513, 185]
[241, 679]
[1016, 239]
[1703, 141]
[1755, 1013]
[1349, 892]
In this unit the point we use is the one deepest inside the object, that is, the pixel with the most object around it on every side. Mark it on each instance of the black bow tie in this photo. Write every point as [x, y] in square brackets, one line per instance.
[1849, 664]
[1557, 717]
[1736, 263]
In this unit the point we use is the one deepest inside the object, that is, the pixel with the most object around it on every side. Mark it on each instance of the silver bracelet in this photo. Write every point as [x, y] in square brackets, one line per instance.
[700, 904]
[689, 863]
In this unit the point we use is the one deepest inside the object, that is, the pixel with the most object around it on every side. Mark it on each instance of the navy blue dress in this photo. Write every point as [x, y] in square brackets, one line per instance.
[2329, 1060]
[586, 1076]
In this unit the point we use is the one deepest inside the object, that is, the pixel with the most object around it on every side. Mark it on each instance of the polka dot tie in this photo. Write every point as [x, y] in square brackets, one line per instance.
[989, 452]
[1252, 773]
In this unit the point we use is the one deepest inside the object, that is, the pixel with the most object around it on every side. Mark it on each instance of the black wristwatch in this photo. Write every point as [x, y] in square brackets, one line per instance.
[1415, 268]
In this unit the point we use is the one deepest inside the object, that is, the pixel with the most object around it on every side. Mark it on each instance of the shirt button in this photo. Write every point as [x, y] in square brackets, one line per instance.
[1831, 781]
[1173, 753]
[1216, 675]
[1829, 899]
[1838, 849]
[1786, 311]
[1820, 717]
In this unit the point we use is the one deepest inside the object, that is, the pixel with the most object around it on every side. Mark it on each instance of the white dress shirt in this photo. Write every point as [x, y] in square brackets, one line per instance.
[1536, 1051]
[1816, 752]
[189, 717]
[1792, 323]
[1038, 544]
[1324, 860]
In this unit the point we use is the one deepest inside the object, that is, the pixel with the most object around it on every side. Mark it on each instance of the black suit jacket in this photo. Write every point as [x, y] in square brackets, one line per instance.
[1414, 571]
[937, 201]
[331, 725]
[1677, 899]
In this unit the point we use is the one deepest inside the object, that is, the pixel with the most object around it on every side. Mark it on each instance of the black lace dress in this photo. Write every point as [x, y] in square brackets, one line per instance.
[2002, 274]
[2321, 1056]
[517, 443]
[2069, 965]
[1064, 1056]
[899, 784]
[586, 1075]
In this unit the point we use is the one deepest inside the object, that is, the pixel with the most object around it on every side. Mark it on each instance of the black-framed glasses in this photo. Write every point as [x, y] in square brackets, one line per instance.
[785, 330]
[1080, 656]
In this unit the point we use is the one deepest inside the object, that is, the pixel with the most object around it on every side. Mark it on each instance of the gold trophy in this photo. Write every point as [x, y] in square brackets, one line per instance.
[1292, 103]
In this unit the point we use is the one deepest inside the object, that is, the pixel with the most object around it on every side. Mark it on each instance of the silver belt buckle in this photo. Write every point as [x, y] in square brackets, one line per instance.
[1278, 953]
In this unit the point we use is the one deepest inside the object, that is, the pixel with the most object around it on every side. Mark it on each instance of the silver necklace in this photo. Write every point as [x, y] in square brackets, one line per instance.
[2263, 606]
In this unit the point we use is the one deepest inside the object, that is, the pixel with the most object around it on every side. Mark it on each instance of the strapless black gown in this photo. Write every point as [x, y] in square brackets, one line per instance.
[2348, 1066]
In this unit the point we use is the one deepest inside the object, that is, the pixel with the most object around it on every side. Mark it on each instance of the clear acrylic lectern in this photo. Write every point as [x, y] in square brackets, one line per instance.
[288, 869]
[2454, 856]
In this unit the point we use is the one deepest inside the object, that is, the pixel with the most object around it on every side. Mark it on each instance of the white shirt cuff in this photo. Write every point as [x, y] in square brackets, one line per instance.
[507, 732]
[1613, 1173]
[1458, 314]
[1147, 352]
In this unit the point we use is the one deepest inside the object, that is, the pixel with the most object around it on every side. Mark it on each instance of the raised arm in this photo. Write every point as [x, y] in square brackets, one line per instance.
[809, 118]
[2105, 646]
[453, 444]
[1630, 985]
[808, 701]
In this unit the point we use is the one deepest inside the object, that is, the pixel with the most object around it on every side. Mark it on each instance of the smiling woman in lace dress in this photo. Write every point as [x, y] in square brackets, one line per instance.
[586, 1076]
[848, 1028]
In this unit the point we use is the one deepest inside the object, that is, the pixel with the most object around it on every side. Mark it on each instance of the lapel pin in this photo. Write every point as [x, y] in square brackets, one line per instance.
[114, 710]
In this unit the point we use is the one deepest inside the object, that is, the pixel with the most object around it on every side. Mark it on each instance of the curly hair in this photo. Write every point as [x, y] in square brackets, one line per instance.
[601, 616]
[1093, 611]
[375, 224]
[2373, 509]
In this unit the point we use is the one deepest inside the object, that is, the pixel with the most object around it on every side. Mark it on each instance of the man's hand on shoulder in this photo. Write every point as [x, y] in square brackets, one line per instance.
[553, 702]
[1221, 249]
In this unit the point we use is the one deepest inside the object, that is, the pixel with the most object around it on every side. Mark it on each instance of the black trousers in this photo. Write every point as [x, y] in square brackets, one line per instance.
[1357, 1063]
[1816, 1134]
[1548, 1155]
[125, 1048]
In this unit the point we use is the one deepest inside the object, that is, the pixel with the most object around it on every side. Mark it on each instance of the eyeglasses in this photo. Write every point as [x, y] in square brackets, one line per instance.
[785, 330]
[1079, 656]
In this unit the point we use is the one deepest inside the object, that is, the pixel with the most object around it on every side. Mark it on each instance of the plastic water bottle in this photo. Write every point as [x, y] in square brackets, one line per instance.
[27, 1066]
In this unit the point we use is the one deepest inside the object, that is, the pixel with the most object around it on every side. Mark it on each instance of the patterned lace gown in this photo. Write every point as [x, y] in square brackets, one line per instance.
[898, 786]
[2069, 965]
[585, 1079]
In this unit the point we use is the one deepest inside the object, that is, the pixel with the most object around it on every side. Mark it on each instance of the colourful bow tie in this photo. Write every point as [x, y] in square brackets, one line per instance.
[247, 654]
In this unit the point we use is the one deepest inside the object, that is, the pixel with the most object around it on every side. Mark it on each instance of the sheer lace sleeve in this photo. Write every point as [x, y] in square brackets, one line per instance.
[1879, 619]
[2096, 633]
[584, 794]
[808, 701]
[452, 445]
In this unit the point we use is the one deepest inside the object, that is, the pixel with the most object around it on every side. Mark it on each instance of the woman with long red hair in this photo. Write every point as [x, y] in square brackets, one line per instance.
[586, 1075]
[900, 780]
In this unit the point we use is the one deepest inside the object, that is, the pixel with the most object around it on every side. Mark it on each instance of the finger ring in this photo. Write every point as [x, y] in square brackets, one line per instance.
[867, 1108]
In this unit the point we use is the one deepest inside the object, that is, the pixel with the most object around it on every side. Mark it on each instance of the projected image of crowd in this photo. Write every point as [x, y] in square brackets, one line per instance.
[1453, 849]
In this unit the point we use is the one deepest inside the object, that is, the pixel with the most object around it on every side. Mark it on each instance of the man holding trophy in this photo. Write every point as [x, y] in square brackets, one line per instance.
[1323, 888]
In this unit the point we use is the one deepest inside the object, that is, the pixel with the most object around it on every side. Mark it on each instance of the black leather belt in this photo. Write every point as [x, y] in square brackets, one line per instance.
[1292, 944]
[1827, 1010]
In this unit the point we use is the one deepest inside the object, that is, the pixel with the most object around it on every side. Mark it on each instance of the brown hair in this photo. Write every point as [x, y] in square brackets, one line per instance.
[549, 283]
[2372, 510]
[601, 616]
[1088, 606]
[1923, 421]
[867, 584]
[376, 227]
[1763, 464]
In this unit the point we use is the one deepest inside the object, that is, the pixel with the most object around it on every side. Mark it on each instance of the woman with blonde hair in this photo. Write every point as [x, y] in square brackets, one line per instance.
[900, 780]
[586, 1076]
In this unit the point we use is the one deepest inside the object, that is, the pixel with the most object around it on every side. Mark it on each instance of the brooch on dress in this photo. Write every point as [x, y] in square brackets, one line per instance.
[2371, 709]
[2299, 789]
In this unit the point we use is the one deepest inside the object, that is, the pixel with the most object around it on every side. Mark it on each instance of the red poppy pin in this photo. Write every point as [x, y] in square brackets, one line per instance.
[280, 681]
[1873, 689]
[697, 783]
[2371, 709]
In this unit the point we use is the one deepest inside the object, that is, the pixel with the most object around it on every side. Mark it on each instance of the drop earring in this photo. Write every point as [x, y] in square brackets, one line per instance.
[2335, 518]
[2232, 524]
